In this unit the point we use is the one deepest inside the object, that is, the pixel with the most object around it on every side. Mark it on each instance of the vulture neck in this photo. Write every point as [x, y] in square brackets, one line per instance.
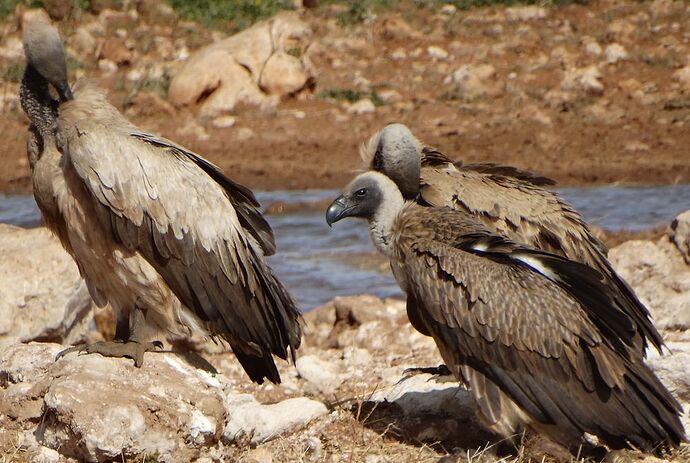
[381, 224]
[36, 101]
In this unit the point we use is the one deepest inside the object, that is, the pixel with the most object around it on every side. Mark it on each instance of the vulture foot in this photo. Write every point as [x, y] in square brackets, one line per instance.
[440, 374]
[129, 349]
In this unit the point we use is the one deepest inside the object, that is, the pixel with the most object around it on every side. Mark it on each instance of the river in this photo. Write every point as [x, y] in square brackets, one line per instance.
[317, 263]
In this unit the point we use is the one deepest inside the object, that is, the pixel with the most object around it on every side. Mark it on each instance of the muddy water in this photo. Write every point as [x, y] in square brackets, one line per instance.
[317, 263]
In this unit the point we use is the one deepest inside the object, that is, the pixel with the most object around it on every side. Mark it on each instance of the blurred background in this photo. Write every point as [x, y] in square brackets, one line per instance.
[281, 93]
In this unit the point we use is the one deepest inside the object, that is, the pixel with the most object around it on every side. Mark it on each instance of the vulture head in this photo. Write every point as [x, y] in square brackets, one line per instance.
[370, 196]
[395, 152]
[45, 54]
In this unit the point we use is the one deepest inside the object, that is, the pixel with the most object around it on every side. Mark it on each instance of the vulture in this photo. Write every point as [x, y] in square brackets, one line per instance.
[161, 234]
[540, 340]
[509, 202]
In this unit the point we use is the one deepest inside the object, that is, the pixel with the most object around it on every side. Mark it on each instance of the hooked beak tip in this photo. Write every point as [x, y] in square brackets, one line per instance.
[336, 211]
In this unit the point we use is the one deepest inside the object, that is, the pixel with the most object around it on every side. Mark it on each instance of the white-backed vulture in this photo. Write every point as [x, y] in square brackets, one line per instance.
[508, 201]
[157, 231]
[537, 338]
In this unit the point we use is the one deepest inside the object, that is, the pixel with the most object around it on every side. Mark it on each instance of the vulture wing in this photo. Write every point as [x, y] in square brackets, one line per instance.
[526, 213]
[493, 168]
[241, 197]
[505, 323]
[195, 227]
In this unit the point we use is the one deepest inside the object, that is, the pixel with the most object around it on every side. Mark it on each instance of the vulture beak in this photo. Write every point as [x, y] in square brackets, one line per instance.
[338, 210]
[64, 92]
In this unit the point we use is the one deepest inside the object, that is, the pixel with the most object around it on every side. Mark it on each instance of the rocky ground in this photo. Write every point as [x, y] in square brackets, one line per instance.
[347, 399]
[583, 93]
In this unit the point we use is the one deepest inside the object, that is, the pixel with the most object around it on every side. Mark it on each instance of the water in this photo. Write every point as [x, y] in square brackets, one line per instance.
[317, 263]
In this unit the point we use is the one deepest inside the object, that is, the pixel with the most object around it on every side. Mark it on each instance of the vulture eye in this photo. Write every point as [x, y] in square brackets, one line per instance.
[361, 192]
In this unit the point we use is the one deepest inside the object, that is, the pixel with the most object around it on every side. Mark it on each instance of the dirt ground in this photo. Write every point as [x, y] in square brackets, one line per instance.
[631, 127]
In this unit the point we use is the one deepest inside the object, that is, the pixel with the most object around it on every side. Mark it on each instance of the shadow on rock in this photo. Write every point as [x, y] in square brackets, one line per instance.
[418, 410]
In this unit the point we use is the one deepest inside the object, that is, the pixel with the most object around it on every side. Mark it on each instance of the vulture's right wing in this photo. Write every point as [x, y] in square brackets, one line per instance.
[158, 201]
[241, 197]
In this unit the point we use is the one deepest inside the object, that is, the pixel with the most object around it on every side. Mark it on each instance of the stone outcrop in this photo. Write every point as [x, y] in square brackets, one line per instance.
[42, 296]
[254, 67]
[91, 408]
[660, 276]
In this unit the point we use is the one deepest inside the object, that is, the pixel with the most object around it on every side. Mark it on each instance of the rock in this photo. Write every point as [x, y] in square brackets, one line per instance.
[593, 48]
[363, 106]
[58, 9]
[636, 146]
[471, 79]
[195, 129]
[245, 133]
[224, 122]
[151, 104]
[283, 74]
[661, 279]
[95, 408]
[525, 13]
[680, 228]
[108, 66]
[252, 67]
[399, 54]
[389, 96]
[437, 52]
[394, 27]
[672, 369]
[42, 295]
[83, 41]
[615, 53]
[252, 422]
[114, 50]
[322, 375]
[428, 410]
[449, 9]
[587, 80]
[683, 76]
[46, 455]
[12, 49]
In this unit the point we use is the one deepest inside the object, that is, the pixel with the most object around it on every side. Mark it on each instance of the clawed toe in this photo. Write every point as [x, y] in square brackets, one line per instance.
[439, 373]
[128, 349]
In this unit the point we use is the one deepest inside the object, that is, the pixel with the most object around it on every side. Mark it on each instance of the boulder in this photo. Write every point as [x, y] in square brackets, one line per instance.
[248, 420]
[320, 374]
[680, 229]
[252, 67]
[660, 277]
[42, 295]
[586, 80]
[673, 371]
[473, 80]
[93, 408]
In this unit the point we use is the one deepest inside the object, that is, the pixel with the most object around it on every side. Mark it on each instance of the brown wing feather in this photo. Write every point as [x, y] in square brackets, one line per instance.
[529, 214]
[523, 333]
[242, 198]
[163, 204]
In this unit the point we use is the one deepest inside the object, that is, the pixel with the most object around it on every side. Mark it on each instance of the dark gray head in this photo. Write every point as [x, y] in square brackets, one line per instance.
[395, 152]
[45, 53]
[366, 197]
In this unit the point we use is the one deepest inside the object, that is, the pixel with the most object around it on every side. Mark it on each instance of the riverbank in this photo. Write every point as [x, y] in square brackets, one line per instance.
[348, 398]
[586, 94]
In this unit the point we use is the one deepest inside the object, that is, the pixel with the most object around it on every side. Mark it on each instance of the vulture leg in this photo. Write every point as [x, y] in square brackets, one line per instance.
[133, 347]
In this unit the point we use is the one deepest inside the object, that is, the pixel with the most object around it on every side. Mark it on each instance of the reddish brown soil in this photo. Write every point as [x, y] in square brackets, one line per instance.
[645, 140]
